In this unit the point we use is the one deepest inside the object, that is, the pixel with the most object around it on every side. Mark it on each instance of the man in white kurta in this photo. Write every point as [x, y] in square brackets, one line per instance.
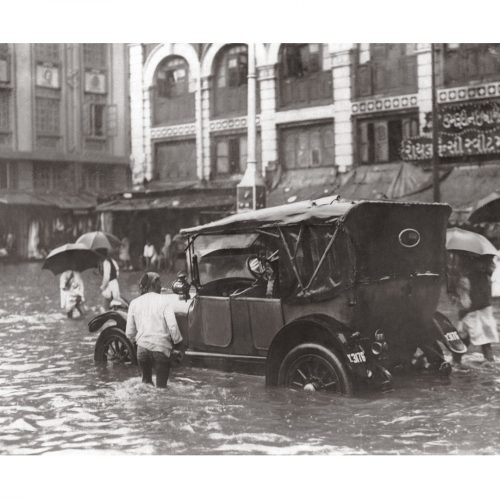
[151, 323]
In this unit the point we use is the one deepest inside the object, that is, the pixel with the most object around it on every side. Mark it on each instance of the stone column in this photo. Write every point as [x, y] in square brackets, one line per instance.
[424, 79]
[137, 157]
[199, 129]
[252, 110]
[251, 191]
[268, 135]
[342, 95]
[205, 89]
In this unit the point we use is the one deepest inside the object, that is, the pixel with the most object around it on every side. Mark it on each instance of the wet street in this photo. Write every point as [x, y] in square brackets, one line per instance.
[53, 399]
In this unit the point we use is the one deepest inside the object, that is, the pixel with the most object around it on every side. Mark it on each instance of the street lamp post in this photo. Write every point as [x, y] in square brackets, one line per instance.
[435, 131]
[251, 191]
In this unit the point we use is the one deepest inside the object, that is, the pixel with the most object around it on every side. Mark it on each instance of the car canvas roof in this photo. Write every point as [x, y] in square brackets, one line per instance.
[319, 211]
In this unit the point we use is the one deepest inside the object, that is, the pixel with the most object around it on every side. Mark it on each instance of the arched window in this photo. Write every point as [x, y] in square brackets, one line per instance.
[305, 75]
[230, 81]
[173, 100]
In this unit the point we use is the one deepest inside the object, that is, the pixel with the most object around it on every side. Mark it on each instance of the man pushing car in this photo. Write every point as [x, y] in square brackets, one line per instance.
[152, 325]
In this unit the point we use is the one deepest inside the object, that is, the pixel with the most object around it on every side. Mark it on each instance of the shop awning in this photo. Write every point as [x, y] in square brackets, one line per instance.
[200, 200]
[300, 185]
[389, 181]
[17, 198]
[465, 189]
[81, 201]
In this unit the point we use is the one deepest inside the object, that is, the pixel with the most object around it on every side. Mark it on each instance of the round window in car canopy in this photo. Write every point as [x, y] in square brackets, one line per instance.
[409, 237]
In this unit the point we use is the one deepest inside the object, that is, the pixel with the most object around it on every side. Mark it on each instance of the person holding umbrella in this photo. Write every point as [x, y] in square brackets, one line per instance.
[72, 293]
[69, 260]
[104, 243]
[110, 288]
[472, 255]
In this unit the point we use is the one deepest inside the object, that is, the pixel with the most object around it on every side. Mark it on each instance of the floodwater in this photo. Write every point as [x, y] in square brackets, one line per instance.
[53, 399]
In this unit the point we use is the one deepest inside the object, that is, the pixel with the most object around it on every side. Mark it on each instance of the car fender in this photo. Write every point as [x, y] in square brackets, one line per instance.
[326, 329]
[108, 318]
[444, 331]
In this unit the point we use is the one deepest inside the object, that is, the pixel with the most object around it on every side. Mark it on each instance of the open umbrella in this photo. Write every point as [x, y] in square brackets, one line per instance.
[467, 241]
[99, 239]
[74, 256]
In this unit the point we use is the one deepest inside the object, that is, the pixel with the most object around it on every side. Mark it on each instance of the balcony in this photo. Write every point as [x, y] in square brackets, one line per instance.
[386, 78]
[471, 63]
[230, 101]
[173, 110]
[310, 90]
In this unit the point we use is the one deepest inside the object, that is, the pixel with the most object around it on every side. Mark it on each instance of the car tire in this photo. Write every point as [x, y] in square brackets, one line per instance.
[314, 367]
[113, 346]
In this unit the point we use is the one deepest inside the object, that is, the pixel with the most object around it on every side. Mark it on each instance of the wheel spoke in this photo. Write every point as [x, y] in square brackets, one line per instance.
[299, 371]
[330, 384]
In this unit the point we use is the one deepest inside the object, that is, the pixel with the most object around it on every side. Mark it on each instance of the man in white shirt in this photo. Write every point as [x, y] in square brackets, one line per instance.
[110, 289]
[150, 255]
[151, 323]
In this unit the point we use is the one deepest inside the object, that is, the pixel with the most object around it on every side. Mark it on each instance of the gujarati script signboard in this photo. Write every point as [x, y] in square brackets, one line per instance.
[465, 129]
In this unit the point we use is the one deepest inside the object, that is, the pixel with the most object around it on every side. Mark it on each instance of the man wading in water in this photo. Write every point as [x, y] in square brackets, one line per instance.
[151, 323]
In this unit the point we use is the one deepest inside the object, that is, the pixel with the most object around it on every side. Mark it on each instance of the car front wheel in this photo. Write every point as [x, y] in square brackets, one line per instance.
[314, 367]
[113, 346]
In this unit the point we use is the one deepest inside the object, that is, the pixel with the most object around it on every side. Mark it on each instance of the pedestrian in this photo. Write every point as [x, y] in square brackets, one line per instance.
[110, 288]
[72, 292]
[165, 261]
[124, 256]
[179, 245]
[150, 255]
[152, 325]
[473, 295]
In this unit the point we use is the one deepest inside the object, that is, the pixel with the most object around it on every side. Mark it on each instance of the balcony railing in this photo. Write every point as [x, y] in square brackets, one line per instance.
[230, 101]
[310, 90]
[471, 63]
[173, 110]
[391, 77]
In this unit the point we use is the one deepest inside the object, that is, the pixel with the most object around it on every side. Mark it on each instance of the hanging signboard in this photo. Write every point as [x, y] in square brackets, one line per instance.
[465, 129]
[95, 82]
[470, 128]
[47, 75]
[416, 149]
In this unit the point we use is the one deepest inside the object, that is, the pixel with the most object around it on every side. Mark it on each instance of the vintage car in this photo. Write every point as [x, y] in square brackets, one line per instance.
[323, 295]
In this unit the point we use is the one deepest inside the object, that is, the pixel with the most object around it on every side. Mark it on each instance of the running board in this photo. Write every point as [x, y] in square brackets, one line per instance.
[226, 356]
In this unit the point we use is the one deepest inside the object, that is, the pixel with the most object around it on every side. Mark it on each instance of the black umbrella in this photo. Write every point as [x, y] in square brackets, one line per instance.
[72, 256]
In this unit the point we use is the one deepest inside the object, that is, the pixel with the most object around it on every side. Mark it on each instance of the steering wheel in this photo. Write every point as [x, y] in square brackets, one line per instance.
[256, 266]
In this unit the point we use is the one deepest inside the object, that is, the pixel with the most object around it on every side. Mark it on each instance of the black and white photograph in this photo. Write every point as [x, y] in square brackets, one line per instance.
[248, 248]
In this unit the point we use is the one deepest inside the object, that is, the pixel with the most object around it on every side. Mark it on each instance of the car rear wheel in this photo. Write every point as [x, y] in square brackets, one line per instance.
[113, 346]
[314, 367]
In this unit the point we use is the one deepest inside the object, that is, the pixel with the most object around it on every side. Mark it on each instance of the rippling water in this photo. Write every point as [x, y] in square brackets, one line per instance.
[53, 399]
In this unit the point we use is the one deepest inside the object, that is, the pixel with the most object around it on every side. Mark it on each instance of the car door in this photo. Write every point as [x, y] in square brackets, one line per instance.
[210, 323]
[255, 323]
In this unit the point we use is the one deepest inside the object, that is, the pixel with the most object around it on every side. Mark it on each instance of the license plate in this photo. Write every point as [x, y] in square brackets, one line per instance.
[356, 357]
[451, 336]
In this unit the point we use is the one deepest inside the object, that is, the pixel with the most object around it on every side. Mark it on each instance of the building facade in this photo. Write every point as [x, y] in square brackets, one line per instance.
[64, 140]
[346, 119]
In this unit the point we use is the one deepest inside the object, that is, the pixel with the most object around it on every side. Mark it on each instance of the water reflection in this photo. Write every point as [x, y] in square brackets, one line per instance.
[53, 399]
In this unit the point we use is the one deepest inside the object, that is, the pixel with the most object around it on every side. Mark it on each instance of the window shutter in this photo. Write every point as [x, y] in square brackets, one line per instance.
[112, 120]
[86, 116]
[13, 176]
[363, 142]
[364, 77]
[381, 141]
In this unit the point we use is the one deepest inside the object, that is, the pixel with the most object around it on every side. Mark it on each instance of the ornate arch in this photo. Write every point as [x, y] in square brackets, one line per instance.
[207, 63]
[185, 50]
